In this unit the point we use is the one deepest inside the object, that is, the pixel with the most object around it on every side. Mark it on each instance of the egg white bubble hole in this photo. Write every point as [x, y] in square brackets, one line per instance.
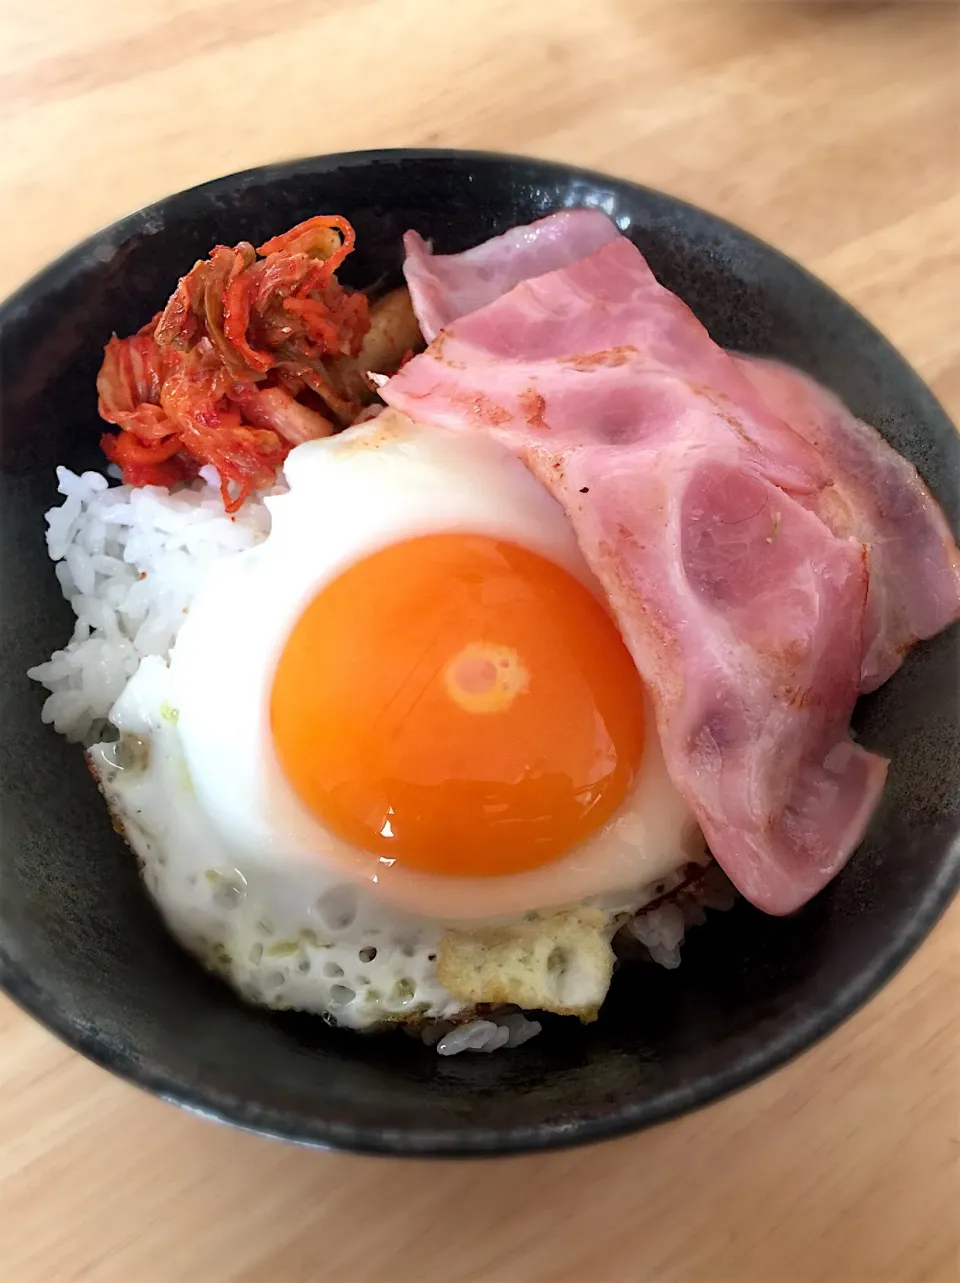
[134, 564]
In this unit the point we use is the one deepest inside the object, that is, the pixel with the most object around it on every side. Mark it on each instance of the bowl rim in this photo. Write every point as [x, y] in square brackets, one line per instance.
[370, 1139]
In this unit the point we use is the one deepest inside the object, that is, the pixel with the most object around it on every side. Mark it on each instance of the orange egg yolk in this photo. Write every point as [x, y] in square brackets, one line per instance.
[458, 705]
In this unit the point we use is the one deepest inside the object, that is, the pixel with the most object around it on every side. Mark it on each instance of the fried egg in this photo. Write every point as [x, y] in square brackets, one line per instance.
[403, 721]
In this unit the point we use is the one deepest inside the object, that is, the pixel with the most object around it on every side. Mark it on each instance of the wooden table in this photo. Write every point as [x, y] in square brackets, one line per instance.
[831, 130]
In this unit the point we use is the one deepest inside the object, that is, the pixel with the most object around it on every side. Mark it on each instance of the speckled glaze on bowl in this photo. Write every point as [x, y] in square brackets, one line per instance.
[81, 947]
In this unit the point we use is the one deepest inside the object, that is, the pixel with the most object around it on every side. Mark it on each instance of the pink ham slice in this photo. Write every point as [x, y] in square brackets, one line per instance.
[693, 503]
[876, 496]
[445, 286]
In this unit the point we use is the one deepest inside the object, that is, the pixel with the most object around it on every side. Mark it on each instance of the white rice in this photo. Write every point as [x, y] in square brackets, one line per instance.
[661, 929]
[489, 1034]
[130, 561]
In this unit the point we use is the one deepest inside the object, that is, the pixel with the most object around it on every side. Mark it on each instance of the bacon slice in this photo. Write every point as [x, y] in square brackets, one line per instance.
[879, 498]
[874, 494]
[445, 286]
[695, 505]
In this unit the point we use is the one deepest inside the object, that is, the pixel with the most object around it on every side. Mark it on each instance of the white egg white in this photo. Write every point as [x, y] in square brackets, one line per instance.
[284, 933]
[246, 877]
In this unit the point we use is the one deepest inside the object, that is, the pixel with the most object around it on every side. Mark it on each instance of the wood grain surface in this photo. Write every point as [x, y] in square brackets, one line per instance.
[832, 130]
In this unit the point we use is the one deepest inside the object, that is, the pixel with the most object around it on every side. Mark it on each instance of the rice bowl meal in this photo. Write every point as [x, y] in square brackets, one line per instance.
[437, 649]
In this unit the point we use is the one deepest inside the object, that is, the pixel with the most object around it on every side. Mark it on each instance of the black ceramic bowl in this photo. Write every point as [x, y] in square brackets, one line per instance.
[81, 947]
